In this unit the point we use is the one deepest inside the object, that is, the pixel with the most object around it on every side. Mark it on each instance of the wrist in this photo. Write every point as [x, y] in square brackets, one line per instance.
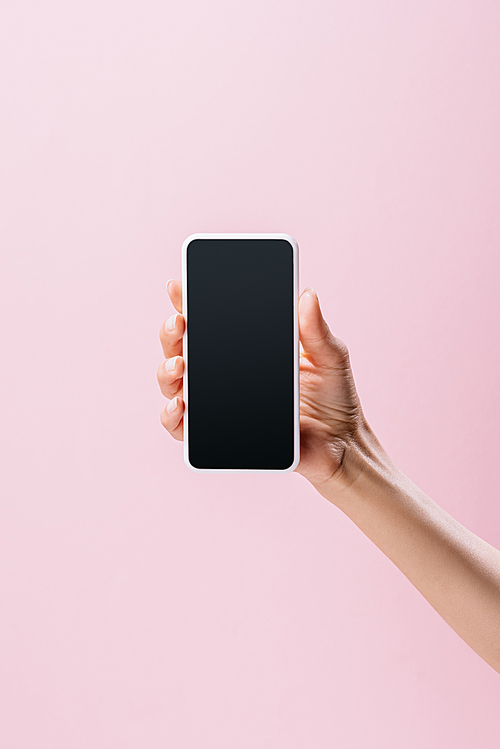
[364, 463]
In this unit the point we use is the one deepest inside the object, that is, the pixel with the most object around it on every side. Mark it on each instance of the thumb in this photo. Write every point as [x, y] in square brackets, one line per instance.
[319, 345]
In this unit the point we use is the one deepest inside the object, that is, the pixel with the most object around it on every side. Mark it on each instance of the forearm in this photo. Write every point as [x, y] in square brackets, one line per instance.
[455, 570]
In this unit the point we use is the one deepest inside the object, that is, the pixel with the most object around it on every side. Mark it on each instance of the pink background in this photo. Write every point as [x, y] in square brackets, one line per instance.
[144, 605]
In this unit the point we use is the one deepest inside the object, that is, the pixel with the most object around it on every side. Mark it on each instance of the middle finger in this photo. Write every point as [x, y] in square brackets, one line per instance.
[170, 376]
[171, 333]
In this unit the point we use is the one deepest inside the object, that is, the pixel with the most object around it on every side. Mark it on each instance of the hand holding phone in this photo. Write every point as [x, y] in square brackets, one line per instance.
[330, 412]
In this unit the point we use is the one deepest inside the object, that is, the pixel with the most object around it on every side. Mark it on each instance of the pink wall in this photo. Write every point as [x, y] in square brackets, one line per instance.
[148, 606]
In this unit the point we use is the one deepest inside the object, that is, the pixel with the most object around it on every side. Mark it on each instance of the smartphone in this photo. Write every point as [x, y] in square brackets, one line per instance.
[241, 352]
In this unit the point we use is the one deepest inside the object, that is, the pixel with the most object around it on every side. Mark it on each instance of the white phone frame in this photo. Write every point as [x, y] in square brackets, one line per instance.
[295, 248]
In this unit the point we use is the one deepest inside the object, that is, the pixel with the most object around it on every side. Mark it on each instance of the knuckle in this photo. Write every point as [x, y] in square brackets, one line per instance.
[341, 347]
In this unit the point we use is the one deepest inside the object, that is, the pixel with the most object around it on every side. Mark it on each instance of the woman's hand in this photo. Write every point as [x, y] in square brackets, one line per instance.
[330, 411]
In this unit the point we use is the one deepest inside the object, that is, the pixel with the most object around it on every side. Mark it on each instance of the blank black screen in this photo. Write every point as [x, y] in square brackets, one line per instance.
[240, 359]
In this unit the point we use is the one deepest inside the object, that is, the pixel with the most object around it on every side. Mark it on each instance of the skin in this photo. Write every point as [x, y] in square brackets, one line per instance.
[455, 570]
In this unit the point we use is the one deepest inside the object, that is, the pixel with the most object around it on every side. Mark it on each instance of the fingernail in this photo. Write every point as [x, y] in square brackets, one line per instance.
[172, 405]
[169, 281]
[170, 324]
[310, 288]
[170, 363]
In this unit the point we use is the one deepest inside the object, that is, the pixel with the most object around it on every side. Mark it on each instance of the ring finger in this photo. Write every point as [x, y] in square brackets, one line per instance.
[170, 374]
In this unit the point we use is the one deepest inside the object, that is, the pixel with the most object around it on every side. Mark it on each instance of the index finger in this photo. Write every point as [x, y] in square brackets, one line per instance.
[171, 339]
[174, 290]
